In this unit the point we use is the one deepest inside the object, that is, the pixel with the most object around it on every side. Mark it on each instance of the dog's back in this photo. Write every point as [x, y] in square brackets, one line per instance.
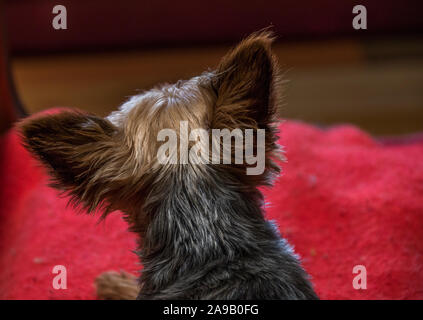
[207, 241]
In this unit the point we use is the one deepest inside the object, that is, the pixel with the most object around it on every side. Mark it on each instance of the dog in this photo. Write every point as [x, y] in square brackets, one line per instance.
[202, 231]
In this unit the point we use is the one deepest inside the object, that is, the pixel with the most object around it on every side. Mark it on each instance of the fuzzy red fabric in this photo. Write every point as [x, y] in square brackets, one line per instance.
[343, 200]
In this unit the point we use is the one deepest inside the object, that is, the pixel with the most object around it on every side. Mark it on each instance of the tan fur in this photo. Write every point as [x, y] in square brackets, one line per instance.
[111, 163]
[116, 286]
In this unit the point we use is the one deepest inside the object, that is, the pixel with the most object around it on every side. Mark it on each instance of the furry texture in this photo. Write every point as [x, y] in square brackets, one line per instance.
[344, 199]
[116, 286]
[201, 227]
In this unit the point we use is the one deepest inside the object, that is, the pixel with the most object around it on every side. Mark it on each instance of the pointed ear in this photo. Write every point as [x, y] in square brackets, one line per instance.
[246, 84]
[77, 149]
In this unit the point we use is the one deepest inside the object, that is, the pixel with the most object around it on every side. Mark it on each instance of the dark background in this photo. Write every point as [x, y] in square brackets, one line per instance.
[372, 78]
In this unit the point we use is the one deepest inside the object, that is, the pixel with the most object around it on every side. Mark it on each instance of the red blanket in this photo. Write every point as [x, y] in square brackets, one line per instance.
[343, 200]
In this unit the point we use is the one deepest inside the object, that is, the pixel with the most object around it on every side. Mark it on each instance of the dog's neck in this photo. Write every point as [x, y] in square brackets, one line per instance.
[197, 222]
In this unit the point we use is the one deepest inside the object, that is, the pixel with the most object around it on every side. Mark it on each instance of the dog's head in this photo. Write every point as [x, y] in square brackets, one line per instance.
[113, 162]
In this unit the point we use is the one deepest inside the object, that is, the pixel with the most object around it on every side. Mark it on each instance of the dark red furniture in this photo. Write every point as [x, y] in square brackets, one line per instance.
[10, 106]
[99, 24]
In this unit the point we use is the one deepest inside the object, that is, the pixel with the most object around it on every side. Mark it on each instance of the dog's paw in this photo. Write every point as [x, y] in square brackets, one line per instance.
[114, 285]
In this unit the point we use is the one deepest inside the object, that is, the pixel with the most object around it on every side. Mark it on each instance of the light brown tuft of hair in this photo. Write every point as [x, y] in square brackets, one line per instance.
[114, 285]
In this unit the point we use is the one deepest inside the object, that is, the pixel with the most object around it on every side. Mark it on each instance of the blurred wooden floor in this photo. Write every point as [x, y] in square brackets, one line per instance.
[377, 85]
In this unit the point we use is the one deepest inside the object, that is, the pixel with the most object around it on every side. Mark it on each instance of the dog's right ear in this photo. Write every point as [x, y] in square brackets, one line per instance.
[80, 150]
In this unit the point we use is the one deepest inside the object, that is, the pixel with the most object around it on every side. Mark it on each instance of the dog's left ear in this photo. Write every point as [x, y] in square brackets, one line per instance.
[246, 84]
[79, 150]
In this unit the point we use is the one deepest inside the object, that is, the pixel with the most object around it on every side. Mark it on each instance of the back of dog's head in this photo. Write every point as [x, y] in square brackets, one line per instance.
[114, 163]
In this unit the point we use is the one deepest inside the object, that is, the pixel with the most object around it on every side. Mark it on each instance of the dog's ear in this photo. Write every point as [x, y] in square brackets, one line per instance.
[246, 84]
[246, 88]
[78, 149]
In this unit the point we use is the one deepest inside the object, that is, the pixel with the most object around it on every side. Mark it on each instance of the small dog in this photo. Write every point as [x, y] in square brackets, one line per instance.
[202, 232]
